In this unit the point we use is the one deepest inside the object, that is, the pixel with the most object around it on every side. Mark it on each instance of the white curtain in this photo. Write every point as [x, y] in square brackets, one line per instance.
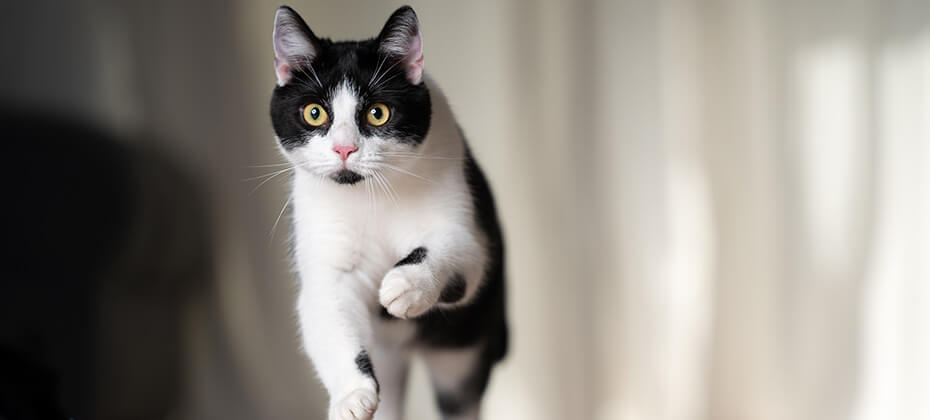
[713, 209]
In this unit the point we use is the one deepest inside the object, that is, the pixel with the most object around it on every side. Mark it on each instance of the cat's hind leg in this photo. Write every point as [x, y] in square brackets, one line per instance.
[459, 378]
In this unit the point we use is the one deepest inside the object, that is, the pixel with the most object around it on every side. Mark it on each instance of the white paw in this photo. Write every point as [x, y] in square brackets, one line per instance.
[358, 405]
[408, 291]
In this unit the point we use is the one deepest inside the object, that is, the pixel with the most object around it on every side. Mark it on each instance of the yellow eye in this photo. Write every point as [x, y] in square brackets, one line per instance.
[378, 114]
[315, 115]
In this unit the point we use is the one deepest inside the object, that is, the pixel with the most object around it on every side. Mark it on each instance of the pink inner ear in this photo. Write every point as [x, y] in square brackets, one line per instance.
[414, 60]
[283, 70]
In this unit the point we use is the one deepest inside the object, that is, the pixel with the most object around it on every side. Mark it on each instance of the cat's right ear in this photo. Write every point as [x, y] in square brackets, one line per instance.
[294, 44]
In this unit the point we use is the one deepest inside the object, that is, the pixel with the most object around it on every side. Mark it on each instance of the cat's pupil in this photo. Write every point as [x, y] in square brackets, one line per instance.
[315, 113]
[377, 113]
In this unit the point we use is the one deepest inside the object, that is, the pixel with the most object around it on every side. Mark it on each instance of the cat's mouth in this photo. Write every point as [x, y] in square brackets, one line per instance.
[345, 176]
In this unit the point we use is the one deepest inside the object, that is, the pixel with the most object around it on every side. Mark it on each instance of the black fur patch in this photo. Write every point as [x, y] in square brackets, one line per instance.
[454, 290]
[483, 319]
[363, 362]
[346, 176]
[414, 257]
[467, 394]
[449, 403]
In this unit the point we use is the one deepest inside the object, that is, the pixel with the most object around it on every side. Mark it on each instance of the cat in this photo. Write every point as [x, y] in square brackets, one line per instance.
[396, 238]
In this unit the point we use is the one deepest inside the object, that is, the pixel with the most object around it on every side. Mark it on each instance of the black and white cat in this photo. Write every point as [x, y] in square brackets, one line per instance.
[398, 246]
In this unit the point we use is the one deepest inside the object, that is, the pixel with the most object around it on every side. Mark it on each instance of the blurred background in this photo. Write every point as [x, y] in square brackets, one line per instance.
[714, 209]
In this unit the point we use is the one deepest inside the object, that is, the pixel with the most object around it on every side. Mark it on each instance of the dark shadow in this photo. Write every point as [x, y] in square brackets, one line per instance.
[106, 245]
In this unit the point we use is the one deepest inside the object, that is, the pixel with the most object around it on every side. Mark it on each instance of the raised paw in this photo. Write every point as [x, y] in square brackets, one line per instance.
[359, 404]
[408, 291]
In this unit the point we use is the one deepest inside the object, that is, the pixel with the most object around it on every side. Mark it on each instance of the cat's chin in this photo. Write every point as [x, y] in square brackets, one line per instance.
[346, 176]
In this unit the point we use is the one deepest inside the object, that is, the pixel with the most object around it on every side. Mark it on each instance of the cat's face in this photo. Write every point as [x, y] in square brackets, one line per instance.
[349, 110]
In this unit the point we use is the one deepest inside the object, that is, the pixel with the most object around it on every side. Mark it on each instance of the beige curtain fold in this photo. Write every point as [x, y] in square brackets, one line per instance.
[713, 209]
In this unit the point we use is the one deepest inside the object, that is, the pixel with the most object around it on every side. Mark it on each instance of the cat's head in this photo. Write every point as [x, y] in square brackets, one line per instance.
[343, 110]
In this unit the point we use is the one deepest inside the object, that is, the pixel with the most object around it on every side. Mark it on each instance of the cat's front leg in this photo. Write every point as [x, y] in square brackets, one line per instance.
[444, 269]
[336, 332]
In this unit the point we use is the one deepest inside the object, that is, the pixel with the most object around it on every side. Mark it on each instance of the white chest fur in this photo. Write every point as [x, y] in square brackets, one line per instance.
[362, 228]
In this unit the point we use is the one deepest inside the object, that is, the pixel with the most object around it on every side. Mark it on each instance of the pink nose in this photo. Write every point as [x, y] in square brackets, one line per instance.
[344, 151]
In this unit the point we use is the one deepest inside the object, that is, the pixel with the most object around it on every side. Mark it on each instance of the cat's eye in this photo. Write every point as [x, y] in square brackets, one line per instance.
[378, 114]
[315, 115]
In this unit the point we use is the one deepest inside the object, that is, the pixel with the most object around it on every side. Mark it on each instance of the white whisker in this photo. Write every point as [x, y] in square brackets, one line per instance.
[377, 69]
[385, 81]
[315, 76]
[404, 171]
[369, 195]
[275, 226]
[416, 156]
[383, 74]
[390, 187]
[272, 174]
[270, 165]
[385, 187]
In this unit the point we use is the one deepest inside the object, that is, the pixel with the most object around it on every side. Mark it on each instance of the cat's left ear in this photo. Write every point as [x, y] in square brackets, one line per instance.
[401, 39]
[295, 45]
